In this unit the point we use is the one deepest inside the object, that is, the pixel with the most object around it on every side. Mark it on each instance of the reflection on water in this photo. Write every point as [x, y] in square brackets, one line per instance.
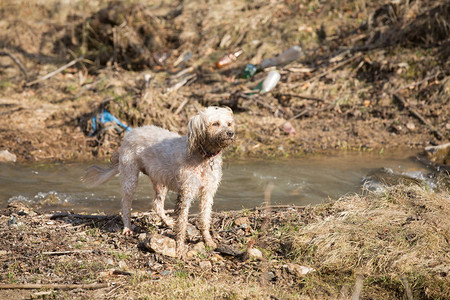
[304, 181]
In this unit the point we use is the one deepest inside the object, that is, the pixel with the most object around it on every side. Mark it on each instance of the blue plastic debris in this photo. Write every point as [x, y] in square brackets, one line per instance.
[106, 117]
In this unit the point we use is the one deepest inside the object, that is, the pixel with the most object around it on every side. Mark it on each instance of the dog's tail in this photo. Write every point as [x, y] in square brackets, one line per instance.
[95, 175]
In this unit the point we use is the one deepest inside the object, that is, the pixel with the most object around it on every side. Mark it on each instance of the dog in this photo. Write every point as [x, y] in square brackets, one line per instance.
[189, 165]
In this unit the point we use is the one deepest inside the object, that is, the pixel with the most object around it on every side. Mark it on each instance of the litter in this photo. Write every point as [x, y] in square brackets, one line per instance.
[270, 81]
[288, 56]
[104, 118]
[228, 59]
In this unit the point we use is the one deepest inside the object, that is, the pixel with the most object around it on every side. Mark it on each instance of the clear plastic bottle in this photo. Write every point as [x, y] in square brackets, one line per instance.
[228, 59]
[290, 55]
[270, 81]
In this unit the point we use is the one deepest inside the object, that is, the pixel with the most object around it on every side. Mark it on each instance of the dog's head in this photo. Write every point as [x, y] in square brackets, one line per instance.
[210, 131]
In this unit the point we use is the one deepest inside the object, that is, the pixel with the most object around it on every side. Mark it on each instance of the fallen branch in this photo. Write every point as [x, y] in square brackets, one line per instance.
[303, 97]
[327, 71]
[57, 286]
[55, 72]
[416, 114]
[90, 217]
[16, 61]
[66, 252]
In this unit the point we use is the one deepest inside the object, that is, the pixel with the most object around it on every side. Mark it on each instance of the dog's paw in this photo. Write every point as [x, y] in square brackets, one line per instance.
[210, 244]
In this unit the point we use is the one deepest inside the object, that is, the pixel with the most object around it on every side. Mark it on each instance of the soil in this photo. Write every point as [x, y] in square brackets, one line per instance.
[366, 81]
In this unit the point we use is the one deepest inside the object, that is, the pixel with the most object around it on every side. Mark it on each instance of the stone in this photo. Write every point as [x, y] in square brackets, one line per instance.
[298, 270]
[192, 232]
[199, 247]
[254, 253]
[205, 264]
[6, 156]
[161, 245]
[241, 221]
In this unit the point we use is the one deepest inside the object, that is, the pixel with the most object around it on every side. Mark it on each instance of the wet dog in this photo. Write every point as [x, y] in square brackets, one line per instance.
[189, 165]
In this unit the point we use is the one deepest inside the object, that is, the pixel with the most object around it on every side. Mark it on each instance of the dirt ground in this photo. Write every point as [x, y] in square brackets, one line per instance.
[396, 243]
[372, 77]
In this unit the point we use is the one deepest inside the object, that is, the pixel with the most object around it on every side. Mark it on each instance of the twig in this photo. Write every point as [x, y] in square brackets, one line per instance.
[327, 71]
[16, 61]
[32, 286]
[358, 287]
[416, 114]
[90, 217]
[416, 83]
[303, 97]
[182, 105]
[408, 290]
[66, 252]
[55, 72]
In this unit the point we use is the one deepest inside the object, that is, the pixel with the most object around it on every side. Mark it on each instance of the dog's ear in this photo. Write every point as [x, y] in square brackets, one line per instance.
[196, 133]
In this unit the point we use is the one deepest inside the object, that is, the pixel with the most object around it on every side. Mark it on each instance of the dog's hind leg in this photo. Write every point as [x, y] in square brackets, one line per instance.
[129, 184]
[158, 204]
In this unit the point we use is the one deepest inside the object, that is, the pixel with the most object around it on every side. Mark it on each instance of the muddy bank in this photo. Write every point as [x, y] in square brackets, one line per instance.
[372, 76]
[394, 242]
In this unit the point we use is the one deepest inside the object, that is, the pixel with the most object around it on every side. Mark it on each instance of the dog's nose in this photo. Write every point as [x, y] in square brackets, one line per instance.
[230, 133]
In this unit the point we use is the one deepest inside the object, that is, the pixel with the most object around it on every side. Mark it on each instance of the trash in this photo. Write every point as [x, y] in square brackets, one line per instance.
[183, 58]
[290, 55]
[106, 117]
[249, 71]
[228, 59]
[270, 81]
[288, 128]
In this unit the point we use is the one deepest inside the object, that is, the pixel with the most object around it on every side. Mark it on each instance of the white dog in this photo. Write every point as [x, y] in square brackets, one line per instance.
[189, 165]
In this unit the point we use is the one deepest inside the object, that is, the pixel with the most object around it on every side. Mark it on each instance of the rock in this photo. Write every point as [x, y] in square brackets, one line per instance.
[216, 258]
[6, 156]
[161, 245]
[439, 154]
[197, 249]
[192, 232]
[205, 264]
[254, 253]
[298, 270]
[410, 125]
[228, 250]
[241, 221]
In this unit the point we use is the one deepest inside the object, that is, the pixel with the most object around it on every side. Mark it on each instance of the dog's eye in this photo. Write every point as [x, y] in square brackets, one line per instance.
[229, 124]
[216, 124]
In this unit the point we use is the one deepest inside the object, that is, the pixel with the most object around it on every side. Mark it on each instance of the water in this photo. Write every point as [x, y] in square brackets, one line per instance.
[303, 181]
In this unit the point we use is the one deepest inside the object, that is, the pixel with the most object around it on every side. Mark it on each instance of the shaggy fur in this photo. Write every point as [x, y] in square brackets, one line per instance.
[189, 165]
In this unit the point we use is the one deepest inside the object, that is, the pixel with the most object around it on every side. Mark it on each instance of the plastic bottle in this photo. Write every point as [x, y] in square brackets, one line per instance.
[228, 59]
[290, 55]
[270, 81]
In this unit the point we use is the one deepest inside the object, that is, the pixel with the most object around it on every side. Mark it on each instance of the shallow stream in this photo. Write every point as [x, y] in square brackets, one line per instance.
[303, 181]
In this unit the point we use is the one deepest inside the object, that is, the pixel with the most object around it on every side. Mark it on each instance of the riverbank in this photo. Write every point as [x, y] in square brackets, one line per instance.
[392, 243]
[366, 82]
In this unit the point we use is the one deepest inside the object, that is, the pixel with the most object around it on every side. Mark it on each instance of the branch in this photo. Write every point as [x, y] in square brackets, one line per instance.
[32, 286]
[55, 72]
[17, 61]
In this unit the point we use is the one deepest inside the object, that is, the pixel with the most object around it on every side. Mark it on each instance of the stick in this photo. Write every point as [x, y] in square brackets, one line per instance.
[32, 286]
[55, 72]
[303, 97]
[17, 61]
[66, 252]
[327, 71]
[416, 114]
[90, 217]
[408, 290]
[358, 287]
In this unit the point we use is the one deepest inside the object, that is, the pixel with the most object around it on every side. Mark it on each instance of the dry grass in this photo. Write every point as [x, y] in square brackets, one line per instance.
[404, 232]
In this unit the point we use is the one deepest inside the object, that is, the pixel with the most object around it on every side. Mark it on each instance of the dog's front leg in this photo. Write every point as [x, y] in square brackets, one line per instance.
[206, 202]
[184, 201]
